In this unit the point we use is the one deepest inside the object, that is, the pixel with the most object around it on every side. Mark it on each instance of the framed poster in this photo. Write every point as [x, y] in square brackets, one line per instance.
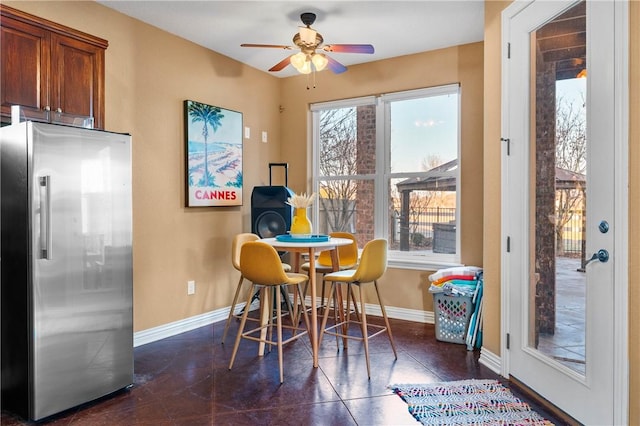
[213, 139]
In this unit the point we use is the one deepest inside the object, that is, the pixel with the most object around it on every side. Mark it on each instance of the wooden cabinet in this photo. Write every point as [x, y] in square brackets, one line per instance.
[49, 68]
[25, 67]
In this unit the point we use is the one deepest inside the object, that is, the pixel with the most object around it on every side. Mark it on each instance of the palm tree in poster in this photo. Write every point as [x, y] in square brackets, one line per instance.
[209, 116]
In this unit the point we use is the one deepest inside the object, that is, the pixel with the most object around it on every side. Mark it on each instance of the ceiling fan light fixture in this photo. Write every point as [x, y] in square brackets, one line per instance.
[301, 62]
[298, 60]
[320, 61]
[306, 68]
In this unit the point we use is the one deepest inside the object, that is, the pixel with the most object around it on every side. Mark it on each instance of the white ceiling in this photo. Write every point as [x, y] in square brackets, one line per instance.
[394, 28]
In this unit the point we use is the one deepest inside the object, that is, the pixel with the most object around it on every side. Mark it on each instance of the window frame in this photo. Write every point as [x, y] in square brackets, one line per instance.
[383, 174]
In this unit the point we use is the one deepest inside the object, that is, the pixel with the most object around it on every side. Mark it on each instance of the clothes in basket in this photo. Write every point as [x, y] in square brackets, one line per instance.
[457, 301]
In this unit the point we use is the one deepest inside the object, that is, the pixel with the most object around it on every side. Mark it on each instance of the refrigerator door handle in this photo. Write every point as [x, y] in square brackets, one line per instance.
[45, 217]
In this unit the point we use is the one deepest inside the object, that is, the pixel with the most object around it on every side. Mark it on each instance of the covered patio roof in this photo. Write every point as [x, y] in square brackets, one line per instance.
[440, 178]
[443, 178]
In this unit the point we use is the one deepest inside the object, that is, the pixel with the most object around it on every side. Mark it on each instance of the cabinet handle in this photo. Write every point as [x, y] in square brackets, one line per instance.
[59, 110]
[47, 108]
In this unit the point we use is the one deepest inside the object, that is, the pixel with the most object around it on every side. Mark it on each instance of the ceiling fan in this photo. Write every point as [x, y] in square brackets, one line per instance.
[308, 41]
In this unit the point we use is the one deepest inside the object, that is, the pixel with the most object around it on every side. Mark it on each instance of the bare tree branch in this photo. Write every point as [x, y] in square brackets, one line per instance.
[571, 155]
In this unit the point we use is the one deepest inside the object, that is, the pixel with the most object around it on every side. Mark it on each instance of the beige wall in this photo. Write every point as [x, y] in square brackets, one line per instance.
[462, 64]
[492, 178]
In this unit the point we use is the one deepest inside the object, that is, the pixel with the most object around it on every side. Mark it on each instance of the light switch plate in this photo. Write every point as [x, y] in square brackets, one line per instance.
[264, 137]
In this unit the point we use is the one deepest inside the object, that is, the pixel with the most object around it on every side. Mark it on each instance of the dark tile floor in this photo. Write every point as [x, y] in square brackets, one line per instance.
[184, 380]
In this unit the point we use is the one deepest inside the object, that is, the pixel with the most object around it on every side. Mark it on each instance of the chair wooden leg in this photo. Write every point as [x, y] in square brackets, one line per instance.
[305, 316]
[365, 334]
[279, 331]
[272, 299]
[243, 321]
[296, 312]
[266, 318]
[338, 312]
[298, 293]
[283, 290]
[326, 312]
[233, 307]
[355, 306]
[322, 304]
[346, 313]
[386, 320]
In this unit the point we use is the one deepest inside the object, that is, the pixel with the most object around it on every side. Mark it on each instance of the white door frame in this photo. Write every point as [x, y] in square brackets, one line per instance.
[621, 244]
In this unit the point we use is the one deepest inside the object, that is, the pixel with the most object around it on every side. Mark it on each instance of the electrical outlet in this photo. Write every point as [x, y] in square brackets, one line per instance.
[191, 287]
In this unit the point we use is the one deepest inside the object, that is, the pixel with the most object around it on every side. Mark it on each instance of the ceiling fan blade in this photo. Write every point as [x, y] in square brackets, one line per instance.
[335, 66]
[349, 48]
[281, 65]
[273, 46]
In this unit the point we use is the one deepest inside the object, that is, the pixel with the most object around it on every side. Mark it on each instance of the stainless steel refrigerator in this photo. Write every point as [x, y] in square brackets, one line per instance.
[66, 266]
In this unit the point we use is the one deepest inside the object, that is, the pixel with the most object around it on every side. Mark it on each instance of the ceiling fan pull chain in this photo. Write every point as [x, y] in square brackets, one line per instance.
[314, 79]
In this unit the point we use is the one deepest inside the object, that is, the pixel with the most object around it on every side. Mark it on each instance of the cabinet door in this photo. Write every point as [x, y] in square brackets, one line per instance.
[25, 64]
[77, 78]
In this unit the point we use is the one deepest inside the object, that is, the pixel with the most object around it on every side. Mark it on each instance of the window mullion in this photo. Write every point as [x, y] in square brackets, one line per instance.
[382, 168]
[315, 162]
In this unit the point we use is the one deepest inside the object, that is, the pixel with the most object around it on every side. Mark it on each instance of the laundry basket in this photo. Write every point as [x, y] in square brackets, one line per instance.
[455, 292]
[452, 315]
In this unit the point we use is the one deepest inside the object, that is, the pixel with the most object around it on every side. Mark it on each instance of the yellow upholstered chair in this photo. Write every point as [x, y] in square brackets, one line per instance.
[347, 259]
[373, 263]
[260, 264]
[236, 246]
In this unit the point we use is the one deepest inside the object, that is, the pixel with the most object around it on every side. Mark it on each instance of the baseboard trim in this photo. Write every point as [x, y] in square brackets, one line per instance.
[402, 313]
[490, 360]
[177, 327]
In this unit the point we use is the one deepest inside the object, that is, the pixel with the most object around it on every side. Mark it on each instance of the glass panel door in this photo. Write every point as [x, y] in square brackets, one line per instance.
[558, 184]
[559, 202]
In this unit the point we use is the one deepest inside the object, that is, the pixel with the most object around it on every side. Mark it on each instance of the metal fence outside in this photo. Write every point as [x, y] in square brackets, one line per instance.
[572, 233]
[421, 230]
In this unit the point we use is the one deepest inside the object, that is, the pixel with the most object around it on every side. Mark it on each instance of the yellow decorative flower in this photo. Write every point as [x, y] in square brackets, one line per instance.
[301, 201]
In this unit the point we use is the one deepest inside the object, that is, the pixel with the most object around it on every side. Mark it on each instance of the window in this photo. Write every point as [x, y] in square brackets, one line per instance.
[387, 166]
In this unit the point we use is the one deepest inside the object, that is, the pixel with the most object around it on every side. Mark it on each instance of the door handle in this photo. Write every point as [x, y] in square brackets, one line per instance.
[45, 217]
[602, 255]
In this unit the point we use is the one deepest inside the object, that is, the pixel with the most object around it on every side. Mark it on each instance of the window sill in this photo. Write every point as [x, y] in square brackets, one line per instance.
[421, 263]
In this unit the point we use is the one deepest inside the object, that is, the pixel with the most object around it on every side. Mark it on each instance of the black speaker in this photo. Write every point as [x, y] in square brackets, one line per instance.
[270, 214]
